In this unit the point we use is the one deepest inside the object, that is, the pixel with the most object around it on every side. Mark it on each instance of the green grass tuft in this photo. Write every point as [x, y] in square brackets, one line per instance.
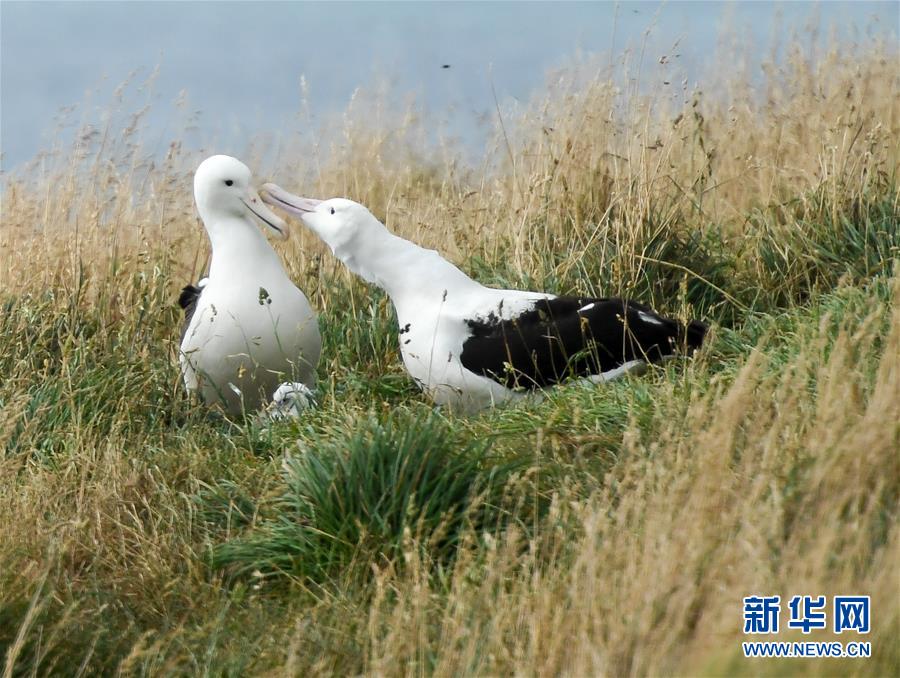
[364, 499]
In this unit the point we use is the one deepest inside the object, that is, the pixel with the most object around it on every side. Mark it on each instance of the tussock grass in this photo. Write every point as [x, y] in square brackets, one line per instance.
[608, 530]
[358, 501]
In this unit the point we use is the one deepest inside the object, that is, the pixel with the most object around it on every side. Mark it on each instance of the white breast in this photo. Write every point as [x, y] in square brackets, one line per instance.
[243, 341]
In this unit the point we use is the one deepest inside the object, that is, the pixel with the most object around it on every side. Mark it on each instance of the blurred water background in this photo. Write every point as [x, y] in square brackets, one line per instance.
[216, 75]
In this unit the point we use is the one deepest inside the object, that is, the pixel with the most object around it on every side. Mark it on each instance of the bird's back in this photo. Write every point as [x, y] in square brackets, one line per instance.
[481, 346]
[562, 337]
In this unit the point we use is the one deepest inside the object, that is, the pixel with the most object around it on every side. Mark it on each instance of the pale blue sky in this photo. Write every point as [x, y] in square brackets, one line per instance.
[241, 62]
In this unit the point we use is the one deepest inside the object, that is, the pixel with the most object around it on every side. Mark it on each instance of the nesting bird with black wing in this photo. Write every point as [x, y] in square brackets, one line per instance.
[470, 346]
[247, 328]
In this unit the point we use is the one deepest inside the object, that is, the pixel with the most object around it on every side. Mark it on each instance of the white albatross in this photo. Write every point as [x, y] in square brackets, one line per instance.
[470, 346]
[247, 328]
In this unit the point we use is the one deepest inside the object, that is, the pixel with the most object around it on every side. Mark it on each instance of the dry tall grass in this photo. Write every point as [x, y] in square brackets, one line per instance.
[769, 465]
[763, 483]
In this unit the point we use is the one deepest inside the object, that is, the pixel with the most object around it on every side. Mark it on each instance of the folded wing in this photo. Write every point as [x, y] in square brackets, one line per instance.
[565, 337]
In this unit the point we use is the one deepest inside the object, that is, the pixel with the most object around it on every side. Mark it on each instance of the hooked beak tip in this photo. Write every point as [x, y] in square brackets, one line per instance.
[275, 223]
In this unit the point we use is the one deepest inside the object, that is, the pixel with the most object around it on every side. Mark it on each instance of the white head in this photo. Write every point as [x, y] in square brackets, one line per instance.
[223, 191]
[343, 224]
[366, 247]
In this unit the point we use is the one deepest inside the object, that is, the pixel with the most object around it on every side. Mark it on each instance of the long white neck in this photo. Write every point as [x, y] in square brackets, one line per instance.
[238, 246]
[401, 268]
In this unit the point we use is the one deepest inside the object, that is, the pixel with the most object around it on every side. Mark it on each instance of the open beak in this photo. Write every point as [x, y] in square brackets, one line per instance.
[256, 205]
[278, 197]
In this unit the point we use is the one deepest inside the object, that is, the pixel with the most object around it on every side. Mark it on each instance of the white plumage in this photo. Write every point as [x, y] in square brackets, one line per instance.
[470, 346]
[247, 326]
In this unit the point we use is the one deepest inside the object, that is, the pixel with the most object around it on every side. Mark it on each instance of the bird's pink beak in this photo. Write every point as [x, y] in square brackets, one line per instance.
[278, 197]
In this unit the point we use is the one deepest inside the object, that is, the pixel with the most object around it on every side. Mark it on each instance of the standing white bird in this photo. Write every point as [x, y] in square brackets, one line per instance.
[247, 328]
[470, 346]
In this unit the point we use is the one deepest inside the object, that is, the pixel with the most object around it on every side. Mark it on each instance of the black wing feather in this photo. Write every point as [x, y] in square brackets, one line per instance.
[557, 339]
[188, 301]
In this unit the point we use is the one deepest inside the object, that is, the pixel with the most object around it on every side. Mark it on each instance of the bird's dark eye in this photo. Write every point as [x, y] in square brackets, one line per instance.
[228, 182]
[332, 210]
